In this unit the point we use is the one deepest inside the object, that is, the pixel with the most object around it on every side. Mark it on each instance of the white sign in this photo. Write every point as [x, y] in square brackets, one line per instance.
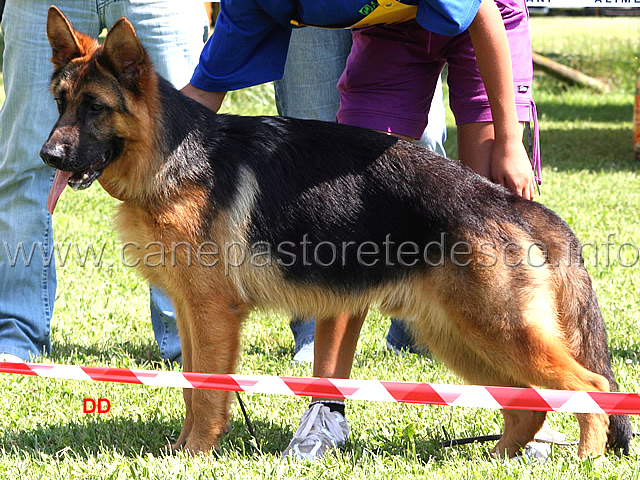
[583, 3]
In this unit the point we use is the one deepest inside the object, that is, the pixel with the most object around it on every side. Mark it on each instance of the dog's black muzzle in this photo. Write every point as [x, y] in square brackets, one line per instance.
[54, 154]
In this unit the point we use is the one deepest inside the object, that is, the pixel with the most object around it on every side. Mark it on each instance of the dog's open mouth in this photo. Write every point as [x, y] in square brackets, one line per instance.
[76, 180]
[83, 179]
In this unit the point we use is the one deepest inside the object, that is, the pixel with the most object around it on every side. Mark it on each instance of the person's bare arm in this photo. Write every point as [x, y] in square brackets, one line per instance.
[510, 165]
[211, 100]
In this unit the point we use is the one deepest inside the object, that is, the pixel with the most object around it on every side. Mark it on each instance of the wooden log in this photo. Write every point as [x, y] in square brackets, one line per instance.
[567, 74]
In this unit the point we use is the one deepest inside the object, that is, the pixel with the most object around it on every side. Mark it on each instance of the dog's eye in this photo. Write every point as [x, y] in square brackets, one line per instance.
[96, 107]
[60, 103]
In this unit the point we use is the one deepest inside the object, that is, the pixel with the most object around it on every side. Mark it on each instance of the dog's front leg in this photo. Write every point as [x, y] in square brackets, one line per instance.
[184, 327]
[212, 347]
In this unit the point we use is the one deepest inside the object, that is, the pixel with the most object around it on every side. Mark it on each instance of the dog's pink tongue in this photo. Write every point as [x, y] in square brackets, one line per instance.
[59, 182]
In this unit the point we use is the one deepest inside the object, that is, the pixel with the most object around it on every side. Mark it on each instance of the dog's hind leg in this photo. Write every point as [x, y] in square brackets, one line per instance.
[593, 434]
[478, 368]
[546, 363]
[570, 375]
[550, 364]
[519, 346]
[520, 427]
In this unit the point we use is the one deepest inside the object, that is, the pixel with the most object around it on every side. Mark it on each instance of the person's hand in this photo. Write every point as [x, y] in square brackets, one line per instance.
[211, 100]
[511, 168]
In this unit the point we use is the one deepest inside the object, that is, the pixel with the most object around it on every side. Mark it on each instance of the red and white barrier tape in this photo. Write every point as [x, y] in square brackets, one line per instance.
[407, 392]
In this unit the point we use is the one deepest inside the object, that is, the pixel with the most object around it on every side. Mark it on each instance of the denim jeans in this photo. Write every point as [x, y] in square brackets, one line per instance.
[173, 34]
[315, 61]
[303, 332]
[308, 90]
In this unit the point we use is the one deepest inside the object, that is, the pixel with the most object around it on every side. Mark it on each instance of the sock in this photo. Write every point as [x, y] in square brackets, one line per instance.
[332, 405]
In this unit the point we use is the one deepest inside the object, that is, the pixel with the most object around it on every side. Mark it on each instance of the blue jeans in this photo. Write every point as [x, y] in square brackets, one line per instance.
[173, 34]
[303, 332]
[315, 61]
[308, 90]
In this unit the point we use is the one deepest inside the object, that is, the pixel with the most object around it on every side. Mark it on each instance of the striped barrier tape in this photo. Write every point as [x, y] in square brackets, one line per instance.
[406, 392]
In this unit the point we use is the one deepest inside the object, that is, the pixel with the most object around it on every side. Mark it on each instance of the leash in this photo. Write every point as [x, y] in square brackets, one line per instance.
[247, 421]
[494, 438]
[527, 127]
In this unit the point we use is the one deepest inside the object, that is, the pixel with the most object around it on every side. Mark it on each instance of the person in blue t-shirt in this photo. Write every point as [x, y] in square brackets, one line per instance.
[250, 42]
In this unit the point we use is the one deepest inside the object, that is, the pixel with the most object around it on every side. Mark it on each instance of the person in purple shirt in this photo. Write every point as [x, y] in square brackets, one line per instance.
[399, 50]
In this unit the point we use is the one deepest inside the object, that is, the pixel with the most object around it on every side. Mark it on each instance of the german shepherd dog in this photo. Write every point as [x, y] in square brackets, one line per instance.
[319, 218]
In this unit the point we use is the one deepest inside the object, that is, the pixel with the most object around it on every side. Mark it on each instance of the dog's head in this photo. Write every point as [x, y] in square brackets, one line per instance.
[96, 89]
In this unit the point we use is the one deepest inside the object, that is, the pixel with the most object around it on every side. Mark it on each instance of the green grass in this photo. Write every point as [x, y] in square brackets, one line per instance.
[102, 318]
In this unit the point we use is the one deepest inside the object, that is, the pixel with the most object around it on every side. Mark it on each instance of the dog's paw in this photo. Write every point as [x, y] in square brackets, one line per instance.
[176, 447]
[194, 448]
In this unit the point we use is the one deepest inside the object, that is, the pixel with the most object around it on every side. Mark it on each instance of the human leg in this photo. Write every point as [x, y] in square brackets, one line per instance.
[409, 106]
[399, 338]
[165, 327]
[303, 334]
[324, 426]
[374, 95]
[173, 34]
[337, 341]
[435, 133]
[27, 260]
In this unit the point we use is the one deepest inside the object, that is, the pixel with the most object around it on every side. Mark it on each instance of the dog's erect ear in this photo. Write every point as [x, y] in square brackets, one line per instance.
[123, 53]
[63, 38]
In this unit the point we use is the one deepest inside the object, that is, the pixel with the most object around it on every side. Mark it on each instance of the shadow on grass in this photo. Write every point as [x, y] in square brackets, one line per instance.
[571, 150]
[134, 438]
[603, 112]
[128, 437]
[420, 451]
[589, 149]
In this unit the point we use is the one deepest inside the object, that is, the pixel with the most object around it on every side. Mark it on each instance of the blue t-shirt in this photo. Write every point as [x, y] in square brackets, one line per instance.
[250, 41]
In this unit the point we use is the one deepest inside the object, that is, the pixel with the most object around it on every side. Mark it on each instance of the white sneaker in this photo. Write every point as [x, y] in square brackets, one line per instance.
[320, 430]
[7, 357]
[305, 354]
[539, 449]
[395, 350]
[549, 435]
[534, 452]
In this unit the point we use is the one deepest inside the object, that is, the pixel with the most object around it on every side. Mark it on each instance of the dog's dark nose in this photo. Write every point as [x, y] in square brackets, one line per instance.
[52, 154]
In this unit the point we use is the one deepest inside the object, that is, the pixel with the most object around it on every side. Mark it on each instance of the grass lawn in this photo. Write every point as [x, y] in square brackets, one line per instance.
[102, 319]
